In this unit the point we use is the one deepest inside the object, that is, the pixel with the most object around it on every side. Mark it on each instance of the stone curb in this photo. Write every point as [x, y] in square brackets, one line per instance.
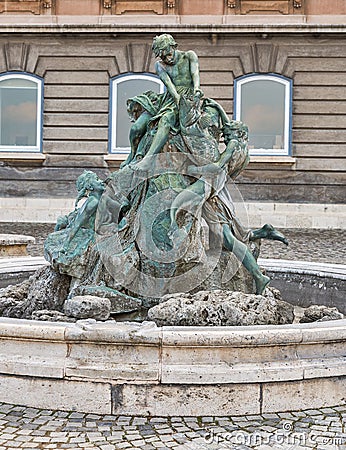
[30, 263]
[304, 267]
[22, 264]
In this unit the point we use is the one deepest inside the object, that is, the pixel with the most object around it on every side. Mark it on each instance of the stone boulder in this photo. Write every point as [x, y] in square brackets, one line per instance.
[320, 313]
[120, 302]
[51, 316]
[222, 308]
[12, 299]
[88, 307]
[44, 290]
[48, 290]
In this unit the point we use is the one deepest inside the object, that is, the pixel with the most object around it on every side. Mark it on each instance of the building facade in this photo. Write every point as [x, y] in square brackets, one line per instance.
[67, 67]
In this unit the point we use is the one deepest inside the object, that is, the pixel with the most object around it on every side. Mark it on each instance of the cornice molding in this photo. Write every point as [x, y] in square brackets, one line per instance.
[175, 24]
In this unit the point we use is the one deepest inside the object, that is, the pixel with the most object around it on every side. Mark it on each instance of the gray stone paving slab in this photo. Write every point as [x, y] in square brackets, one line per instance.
[323, 429]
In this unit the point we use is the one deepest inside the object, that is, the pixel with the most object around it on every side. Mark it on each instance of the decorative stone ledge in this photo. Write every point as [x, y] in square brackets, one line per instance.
[210, 24]
[18, 157]
[130, 368]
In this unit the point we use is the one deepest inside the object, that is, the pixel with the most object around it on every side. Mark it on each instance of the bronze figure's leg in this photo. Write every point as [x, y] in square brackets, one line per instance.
[244, 255]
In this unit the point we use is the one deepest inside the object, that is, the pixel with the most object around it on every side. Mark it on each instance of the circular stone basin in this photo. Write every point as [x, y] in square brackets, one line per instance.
[140, 369]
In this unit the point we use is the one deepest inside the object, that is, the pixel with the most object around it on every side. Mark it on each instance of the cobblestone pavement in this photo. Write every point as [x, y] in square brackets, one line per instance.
[27, 428]
[305, 244]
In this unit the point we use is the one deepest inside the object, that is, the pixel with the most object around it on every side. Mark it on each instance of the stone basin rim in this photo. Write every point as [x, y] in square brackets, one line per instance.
[110, 325]
[149, 334]
[132, 368]
[330, 270]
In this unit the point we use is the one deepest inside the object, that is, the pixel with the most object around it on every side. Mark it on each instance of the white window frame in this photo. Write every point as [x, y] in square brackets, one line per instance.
[114, 83]
[287, 83]
[39, 105]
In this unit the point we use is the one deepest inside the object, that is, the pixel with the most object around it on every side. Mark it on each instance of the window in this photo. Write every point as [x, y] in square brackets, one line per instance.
[124, 87]
[20, 112]
[263, 102]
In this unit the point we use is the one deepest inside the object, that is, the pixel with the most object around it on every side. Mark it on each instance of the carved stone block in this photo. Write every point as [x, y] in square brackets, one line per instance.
[26, 6]
[202, 7]
[265, 6]
[78, 7]
[140, 6]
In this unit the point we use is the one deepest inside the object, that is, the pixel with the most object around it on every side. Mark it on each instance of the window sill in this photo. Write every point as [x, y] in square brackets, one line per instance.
[273, 160]
[115, 159]
[29, 157]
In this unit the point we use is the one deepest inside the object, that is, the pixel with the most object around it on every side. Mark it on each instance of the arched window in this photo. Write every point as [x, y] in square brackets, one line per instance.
[21, 97]
[263, 102]
[124, 87]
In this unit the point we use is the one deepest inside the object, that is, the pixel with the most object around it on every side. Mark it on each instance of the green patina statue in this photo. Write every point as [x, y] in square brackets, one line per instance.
[180, 74]
[66, 249]
[165, 221]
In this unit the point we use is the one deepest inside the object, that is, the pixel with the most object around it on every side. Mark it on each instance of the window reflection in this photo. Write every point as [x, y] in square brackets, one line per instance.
[262, 106]
[126, 87]
[262, 102]
[18, 113]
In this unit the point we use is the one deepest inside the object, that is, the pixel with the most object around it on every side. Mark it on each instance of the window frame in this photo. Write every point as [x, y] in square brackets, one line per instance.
[39, 111]
[114, 83]
[288, 84]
